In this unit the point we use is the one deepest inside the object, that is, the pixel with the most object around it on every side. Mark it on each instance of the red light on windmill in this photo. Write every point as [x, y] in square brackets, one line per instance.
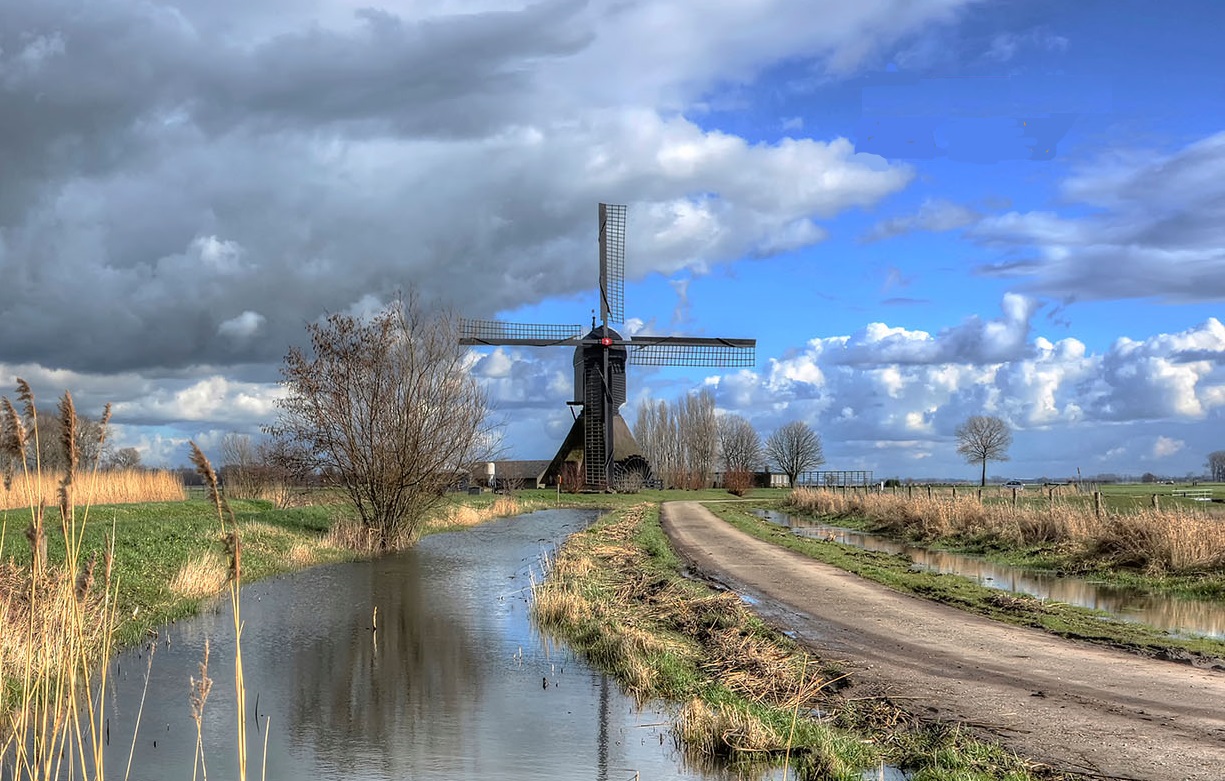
[606, 342]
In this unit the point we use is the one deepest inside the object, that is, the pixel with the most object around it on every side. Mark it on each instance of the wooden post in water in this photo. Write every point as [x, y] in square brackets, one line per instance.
[1097, 504]
[1156, 504]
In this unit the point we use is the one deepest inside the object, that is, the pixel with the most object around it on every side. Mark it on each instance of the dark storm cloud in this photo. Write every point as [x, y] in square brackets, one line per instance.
[187, 184]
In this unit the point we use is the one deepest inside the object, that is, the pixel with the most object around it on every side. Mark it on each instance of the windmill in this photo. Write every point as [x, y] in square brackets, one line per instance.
[600, 442]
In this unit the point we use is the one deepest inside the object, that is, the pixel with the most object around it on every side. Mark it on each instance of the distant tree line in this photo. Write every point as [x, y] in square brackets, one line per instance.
[1216, 466]
[687, 442]
[47, 451]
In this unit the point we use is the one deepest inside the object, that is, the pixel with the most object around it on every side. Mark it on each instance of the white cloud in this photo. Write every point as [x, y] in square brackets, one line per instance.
[241, 327]
[214, 398]
[974, 341]
[1166, 446]
[1052, 392]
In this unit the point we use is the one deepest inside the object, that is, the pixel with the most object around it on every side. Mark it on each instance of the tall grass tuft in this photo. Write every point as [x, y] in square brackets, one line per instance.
[1177, 540]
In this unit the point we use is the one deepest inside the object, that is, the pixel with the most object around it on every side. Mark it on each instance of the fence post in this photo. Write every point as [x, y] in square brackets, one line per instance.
[954, 492]
[908, 494]
[1014, 498]
[1156, 504]
[980, 494]
[1097, 504]
[929, 490]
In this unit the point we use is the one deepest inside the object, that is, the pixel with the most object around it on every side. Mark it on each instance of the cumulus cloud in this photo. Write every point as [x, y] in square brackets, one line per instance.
[974, 341]
[242, 327]
[886, 387]
[1156, 220]
[1167, 446]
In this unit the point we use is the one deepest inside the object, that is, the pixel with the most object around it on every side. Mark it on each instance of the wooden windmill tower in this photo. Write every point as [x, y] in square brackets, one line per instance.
[600, 440]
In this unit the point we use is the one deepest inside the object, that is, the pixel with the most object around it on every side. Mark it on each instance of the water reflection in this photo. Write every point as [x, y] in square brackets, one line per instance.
[1173, 614]
[454, 684]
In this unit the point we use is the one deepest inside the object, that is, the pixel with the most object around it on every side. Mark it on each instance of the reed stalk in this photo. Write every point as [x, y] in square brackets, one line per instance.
[233, 543]
[56, 726]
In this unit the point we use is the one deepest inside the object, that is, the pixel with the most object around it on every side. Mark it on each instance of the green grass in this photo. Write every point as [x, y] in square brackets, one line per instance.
[896, 573]
[153, 540]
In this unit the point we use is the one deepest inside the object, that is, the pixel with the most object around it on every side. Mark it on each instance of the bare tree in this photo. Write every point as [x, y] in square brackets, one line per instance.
[795, 448]
[1216, 466]
[386, 410]
[50, 452]
[680, 440]
[124, 458]
[242, 469]
[699, 432]
[739, 445]
[983, 438]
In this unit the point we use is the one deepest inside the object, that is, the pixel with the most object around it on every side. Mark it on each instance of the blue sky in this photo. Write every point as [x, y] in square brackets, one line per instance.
[922, 211]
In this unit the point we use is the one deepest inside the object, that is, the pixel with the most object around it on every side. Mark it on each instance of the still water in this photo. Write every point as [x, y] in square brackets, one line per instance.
[454, 684]
[1180, 616]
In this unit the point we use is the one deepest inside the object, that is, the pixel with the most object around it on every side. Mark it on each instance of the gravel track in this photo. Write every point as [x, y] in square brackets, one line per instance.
[1070, 704]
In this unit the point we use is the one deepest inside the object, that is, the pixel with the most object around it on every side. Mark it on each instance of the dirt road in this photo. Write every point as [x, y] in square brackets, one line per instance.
[1070, 704]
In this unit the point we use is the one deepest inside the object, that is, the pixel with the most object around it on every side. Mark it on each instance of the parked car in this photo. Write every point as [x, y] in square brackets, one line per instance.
[1014, 484]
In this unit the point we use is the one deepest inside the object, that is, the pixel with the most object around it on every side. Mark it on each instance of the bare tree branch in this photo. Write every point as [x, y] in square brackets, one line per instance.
[1216, 466]
[739, 445]
[386, 410]
[983, 438]
[795, 448]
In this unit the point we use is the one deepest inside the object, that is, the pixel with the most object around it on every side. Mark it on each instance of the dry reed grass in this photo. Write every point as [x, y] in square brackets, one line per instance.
[350, 534]
[58, 619]
[203, 576]
[1157, 541]
[463, 515]
[724, 730]
[124, 486]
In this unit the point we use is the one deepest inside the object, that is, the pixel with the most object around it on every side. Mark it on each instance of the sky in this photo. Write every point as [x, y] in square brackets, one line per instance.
[922, 210]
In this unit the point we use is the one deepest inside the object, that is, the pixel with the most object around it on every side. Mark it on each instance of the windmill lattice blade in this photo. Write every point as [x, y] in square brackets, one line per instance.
[691, 351]
[474, 332]
[612, 263]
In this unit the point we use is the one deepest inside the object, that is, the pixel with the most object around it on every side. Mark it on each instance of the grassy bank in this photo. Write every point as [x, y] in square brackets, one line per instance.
[896, 572]
[1178, 549]
[748, 693]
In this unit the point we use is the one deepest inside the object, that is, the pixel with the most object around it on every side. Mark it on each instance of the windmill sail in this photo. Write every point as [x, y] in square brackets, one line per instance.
[612, 263]
[492, 332]
[691, 351]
